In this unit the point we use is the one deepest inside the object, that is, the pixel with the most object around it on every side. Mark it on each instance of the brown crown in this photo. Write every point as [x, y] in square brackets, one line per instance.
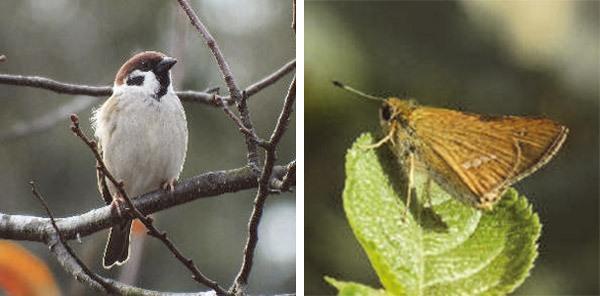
[141, 61]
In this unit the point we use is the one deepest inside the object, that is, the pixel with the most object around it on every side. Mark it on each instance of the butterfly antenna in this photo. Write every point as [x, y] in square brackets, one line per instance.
[358, 92]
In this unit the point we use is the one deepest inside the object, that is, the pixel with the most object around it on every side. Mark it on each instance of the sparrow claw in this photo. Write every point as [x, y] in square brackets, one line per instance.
[169, 185]
[119, 204]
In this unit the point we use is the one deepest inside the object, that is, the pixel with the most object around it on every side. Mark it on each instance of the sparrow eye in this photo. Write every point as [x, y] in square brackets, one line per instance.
[144, 66]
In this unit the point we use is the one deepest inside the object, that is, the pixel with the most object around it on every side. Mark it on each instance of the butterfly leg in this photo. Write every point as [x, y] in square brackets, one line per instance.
[428, 191]
[388, 137]
[409, 185]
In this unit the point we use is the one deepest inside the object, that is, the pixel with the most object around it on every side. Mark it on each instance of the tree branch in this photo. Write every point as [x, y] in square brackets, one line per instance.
[241, 280]
[55, 86]
[238, 122]
[86, 90]
[97, 279]
[270, 79]
[70, 265]
[45, 121]
[49, 120]
[234, 91]
[105, 91]
[284, 118]
[31, 228]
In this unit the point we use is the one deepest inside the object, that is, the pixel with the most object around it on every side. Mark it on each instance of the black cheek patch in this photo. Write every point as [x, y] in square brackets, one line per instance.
[164, 80]
[136, 80]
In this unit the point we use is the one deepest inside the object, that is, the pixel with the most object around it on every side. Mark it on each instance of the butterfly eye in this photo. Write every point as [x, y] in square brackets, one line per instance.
[385, 112]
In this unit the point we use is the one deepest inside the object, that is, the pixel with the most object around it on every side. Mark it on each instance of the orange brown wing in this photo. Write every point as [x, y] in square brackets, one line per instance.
[487, 154]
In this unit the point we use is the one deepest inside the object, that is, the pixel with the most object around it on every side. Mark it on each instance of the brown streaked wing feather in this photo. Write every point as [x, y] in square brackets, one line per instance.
[487, 153]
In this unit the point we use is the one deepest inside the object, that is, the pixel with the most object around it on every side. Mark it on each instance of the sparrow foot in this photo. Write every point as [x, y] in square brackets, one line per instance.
[119, 204]
[169, 185]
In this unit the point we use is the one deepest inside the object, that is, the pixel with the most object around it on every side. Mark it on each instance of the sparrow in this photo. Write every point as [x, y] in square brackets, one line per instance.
[142, 135]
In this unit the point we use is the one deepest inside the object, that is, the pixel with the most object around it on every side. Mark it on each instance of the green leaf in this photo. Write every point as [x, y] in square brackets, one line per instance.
[350, 288]
[444, 247]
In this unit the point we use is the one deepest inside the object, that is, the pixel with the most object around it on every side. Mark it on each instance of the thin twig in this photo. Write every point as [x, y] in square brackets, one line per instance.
[284, 117]
[289, 178]
[86, 90]
[241, 280]
[55, 86]
[45, 121]
[212, 90]
[294, 15]
[69, 264]
[233, 117]
[270, 79]
[147, 221]
[238, 122]
[109, 289]
[234, 91]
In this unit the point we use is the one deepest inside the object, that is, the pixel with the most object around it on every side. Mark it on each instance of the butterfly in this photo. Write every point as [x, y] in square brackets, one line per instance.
[474, 158]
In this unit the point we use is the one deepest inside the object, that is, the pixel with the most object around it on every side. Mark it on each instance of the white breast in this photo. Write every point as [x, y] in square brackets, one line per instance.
[144, 141]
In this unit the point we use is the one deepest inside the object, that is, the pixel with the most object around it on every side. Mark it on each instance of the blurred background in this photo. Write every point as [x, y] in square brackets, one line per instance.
[86, 42]
[488, 57]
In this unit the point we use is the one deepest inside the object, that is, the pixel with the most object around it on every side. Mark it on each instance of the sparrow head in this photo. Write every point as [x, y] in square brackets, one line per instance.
[148, 70]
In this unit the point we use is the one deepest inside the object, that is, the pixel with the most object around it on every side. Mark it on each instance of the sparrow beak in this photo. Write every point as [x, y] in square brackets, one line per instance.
[165, 65]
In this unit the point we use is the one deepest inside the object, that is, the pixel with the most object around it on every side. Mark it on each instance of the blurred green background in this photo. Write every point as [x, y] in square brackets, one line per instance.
[488, 57]
[86, 42]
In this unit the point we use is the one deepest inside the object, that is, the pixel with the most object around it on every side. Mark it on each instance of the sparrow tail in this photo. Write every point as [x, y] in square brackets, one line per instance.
[117, 248]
